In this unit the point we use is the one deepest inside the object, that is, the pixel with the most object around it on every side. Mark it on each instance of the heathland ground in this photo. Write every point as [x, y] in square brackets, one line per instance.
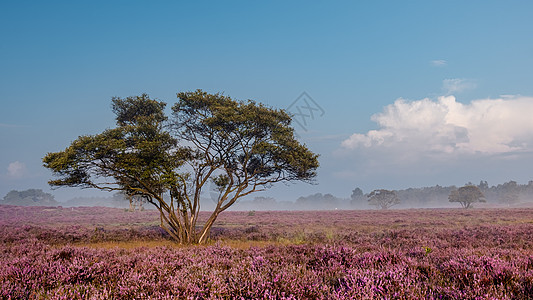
[104, 253]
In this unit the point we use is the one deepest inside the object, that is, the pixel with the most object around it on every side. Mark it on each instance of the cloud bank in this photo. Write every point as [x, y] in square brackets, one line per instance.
[16, 169]
[446, 127]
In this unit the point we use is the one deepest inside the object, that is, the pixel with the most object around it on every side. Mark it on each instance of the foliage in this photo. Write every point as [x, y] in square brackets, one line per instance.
[31, 197]
[318, 201]
[426, 196]
[508, 193]
[240, 147]
[467, 196]
[356, 193]
[357, 197]
[384, 199]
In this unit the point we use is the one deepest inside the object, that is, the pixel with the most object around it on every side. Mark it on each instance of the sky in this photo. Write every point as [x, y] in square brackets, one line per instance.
[391, 94]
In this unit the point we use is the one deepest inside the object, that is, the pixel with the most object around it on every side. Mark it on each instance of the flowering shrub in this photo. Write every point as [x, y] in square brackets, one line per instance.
[383, 255]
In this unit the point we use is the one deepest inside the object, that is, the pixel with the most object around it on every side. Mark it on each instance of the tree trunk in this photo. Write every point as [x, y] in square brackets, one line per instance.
[132, 207]
[204, 234]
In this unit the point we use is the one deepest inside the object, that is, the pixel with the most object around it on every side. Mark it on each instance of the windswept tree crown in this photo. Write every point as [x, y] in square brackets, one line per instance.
[136, 156]
[239, 146]
[247, 140]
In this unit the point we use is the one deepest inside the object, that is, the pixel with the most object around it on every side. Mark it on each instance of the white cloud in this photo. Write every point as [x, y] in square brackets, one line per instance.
[446, 127]
[16, 169]
[457, 85]
[438, 63]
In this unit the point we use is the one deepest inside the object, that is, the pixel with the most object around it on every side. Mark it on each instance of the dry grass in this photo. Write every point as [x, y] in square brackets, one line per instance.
[129, 244]
[245, 245]
[236, 244]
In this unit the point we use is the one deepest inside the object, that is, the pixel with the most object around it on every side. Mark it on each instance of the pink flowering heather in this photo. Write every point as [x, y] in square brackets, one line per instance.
[46, 253]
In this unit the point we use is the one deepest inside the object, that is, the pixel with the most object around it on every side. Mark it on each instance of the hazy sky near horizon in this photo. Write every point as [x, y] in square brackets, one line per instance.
[402, 93]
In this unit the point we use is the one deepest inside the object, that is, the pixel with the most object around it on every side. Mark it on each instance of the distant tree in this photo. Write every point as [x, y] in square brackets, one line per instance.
[357, 197]
[356, 193]
[509, 192]
[528, 189]
[264, 200]
[483, 185]
[241, 147]
[467, 196]
[424, 196]
[318, 201]
[259, 203]
[383, 199]
[136, 201]
[31, 197]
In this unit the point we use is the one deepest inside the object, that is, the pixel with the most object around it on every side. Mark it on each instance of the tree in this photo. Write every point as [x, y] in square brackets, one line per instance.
[31, 197]
[265, 201]
[467, 196]
[384, 199]
[357, 196]
[483, 185]
[241, 147]
[318, 201]
[509, 193]
[136, 201]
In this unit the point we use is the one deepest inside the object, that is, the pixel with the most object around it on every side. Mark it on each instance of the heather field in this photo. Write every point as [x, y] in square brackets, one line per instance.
[106, 253]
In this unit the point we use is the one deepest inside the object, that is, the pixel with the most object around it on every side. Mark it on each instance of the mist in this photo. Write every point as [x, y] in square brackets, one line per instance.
[502, 195]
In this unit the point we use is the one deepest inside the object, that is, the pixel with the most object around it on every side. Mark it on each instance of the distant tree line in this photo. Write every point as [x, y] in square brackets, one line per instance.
[508, 193]
[31, 197]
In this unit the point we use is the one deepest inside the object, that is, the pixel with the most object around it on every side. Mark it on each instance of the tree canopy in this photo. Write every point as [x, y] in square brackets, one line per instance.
[467, 196]
[384, 199]
[31, 197]
[239, 146]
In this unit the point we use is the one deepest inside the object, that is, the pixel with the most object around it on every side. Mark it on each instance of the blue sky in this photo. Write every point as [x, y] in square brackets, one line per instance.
[462, 68]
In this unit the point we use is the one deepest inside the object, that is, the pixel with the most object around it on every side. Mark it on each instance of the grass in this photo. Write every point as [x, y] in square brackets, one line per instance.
[236, 244]
[128, 244]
